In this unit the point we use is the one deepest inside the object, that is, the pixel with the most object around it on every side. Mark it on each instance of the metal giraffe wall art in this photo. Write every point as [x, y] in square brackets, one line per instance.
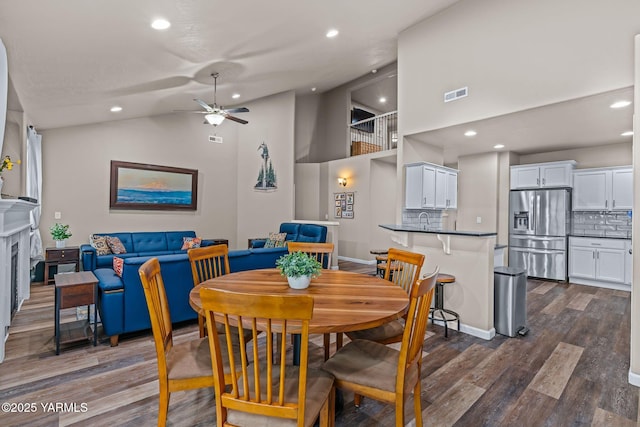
[267, 176]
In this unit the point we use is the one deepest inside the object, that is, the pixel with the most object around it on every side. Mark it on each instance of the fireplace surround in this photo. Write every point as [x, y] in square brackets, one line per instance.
[14, 239]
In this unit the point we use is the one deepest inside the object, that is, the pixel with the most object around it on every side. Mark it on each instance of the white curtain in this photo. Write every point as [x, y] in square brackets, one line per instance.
[34, 190]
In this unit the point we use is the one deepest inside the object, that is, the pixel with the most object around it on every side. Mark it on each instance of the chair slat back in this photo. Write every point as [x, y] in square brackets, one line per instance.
[156, 297]
[321, 251]
[403, 268]
[260, 388]
[208, 262]
[415, 326]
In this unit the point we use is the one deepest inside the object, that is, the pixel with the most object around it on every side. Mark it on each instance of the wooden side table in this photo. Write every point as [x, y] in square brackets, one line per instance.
[73, 290]
[57, 256]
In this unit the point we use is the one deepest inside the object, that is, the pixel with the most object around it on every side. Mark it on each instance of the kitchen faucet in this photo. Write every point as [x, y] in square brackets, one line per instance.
[420, 218]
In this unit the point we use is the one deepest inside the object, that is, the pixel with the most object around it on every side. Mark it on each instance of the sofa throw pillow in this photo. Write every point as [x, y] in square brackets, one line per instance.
[118, 264]
[275, 240]
[115, 245]
[191, 242]
[100, 244]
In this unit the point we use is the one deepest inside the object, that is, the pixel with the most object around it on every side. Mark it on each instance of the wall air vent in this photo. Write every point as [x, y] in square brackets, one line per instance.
[456, 94]
[215, 138]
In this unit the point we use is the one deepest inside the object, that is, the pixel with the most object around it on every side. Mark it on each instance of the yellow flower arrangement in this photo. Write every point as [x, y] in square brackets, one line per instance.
[7, 163]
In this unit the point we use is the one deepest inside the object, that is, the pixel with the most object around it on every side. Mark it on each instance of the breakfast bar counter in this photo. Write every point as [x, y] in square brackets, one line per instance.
[469, 256]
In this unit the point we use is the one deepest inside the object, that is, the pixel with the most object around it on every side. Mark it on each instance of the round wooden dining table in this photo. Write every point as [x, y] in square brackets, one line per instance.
[343, 301]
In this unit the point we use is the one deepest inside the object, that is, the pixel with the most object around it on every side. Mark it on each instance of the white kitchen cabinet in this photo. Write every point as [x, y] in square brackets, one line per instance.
[603, 189]
[542, 175]
[598, 262]
[622, 189]
[446, 188]
[430, 186]
[420, 187]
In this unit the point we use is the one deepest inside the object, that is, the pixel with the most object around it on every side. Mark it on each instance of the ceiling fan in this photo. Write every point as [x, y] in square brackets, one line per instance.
[214, 114]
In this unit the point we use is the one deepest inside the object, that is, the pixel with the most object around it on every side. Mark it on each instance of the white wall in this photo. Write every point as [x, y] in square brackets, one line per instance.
[258, 212]
[591, 157]
[373, 183]
[512, 56]
[478, 192]
[76, 168]
[309, 132]
[13, 147]
[308, 196]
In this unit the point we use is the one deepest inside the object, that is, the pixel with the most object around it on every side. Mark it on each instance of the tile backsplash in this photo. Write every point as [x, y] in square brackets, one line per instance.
[411, 217]
[601, 224]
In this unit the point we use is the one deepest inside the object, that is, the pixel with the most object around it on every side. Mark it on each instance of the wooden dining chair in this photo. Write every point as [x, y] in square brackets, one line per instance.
[183, 366]
[206, 263]
[402, 269]
[267, 393]
[322, 252]
[371, 369]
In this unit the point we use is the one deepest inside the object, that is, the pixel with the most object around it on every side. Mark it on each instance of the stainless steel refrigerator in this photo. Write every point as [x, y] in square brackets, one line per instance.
[538, 229]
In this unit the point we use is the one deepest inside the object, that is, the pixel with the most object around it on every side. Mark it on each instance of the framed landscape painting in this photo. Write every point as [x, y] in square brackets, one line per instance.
[142, 186]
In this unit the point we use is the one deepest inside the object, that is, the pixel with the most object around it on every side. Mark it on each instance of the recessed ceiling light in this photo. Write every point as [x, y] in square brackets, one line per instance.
[235, 96]
[116, 109]
[498, 146]
[470, 132]
[313, 89]
[382, 100]
[332, 33]
[620, 104]
[627, 133]
[160, 24]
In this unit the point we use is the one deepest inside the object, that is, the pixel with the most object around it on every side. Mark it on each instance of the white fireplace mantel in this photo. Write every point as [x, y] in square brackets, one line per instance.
[15, 228]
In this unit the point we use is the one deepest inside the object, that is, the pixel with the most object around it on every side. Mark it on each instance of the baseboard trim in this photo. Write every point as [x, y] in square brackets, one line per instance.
[634, 379]
[357, 260]
[598, 284]
[469, 330]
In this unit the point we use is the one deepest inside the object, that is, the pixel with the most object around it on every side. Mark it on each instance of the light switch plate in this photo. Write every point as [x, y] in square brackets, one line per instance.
[478, 220]
[57, 215]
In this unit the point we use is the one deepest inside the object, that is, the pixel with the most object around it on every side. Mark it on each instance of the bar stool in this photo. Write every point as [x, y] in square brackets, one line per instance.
[438, 307]
[381, 257]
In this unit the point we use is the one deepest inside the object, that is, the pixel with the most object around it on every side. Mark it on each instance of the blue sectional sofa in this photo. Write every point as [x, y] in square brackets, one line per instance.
[137, 244]
[121, 301]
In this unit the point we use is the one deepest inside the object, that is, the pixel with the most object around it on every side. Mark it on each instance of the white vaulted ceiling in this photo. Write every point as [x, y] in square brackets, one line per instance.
[70, 61]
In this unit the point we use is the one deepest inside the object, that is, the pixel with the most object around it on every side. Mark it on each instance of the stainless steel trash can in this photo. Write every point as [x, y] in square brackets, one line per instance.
[510, 301]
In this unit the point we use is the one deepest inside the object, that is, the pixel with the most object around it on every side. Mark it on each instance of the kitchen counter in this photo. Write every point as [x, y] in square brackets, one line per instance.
[470, 257]
[417, 229]
[600, 237]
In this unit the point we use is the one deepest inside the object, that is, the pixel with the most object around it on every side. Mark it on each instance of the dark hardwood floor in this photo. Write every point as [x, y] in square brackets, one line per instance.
[570, 370]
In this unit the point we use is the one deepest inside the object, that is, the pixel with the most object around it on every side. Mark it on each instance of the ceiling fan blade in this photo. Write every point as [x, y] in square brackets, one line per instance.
[191, 111]
[237, 110]
[235, 119]
[204, 105]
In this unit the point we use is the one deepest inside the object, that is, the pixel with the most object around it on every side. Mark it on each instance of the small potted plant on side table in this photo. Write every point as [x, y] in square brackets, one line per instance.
[60, 233]
[299, 268]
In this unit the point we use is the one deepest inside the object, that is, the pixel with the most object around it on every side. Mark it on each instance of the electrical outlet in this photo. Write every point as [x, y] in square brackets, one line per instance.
[478, 220]
[57, 215]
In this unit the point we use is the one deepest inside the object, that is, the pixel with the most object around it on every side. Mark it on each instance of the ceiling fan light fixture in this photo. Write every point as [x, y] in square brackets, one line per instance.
[214, 119]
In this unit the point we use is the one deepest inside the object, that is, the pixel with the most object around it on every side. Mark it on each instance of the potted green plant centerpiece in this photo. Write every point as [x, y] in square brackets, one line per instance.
[299, 268]
[60, 233]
